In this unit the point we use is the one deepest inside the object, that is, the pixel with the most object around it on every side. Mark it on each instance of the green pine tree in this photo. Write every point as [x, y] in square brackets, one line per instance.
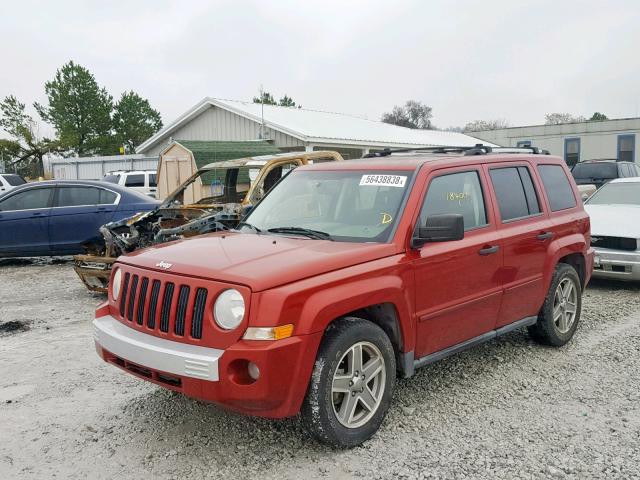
[79, 110]
[134, 120]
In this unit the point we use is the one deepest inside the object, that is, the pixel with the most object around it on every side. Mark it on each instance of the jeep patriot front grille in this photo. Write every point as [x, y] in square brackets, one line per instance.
[163, 305]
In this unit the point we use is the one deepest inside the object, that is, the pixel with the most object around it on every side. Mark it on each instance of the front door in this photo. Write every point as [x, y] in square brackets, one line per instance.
[458, 291]
[79, 213]
[24, 220]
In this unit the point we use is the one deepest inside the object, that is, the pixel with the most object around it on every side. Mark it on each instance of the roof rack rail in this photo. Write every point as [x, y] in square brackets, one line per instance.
[477, 149]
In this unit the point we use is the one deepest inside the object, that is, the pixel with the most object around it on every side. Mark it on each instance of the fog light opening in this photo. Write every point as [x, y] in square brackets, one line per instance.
[254, 371]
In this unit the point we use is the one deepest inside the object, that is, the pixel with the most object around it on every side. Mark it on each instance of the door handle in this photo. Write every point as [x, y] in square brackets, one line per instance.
[36, 214]
[489, 250]
[544, 235]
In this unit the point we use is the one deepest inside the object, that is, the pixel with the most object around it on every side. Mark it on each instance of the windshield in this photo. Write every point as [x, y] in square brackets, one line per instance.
[623, 193]
[350, 206]
[14, 180]
[228, 185]
[111, 178]
[595, 170]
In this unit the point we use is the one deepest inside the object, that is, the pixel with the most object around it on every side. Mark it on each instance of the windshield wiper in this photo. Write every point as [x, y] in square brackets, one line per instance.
[317, 234]
[246, 224]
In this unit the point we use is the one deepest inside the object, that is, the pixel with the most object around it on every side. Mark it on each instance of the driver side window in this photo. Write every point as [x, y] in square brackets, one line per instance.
[456, 193]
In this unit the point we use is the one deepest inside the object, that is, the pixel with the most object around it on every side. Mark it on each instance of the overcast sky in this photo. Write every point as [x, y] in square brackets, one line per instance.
[509, 59]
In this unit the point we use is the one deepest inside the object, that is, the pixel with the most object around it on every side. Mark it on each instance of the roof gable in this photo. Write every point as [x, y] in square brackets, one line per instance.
[320, 127]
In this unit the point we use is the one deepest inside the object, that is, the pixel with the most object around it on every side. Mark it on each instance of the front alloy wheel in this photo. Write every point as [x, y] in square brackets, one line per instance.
[352, 382]
[358, 384]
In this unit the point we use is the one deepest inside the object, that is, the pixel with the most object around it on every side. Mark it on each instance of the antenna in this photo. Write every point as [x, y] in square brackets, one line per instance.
[262, 112]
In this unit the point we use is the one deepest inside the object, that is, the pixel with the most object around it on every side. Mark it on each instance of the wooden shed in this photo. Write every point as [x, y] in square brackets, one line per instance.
[183, 158]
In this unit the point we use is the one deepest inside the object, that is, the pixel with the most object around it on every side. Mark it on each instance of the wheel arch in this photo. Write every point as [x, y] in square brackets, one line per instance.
[390, 310]
[570, 250]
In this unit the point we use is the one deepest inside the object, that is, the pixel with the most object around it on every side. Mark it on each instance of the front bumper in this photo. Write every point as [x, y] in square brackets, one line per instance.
[617, 264]
[156, 353]
[213, 375]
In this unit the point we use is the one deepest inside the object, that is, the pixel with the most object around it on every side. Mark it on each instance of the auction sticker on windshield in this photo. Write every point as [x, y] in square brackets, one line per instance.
[383, 180]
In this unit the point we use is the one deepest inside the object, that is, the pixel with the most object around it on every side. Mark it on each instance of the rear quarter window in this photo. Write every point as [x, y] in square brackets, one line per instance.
[557, 186]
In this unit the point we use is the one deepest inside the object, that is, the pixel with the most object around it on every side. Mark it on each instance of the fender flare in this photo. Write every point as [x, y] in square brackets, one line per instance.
[327, 305]
[568, 245]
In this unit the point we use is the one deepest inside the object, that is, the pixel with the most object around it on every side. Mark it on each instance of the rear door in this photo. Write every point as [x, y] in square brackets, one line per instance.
[24, 220]
[526, 232]
[79, 211]
[457, 287]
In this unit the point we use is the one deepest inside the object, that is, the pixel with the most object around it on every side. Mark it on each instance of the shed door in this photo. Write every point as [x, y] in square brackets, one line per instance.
[175, 170]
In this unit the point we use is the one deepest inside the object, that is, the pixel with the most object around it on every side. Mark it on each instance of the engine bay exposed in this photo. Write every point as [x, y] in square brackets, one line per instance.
[167, 224]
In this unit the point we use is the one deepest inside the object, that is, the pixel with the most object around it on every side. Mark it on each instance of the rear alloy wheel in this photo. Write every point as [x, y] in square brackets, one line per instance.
[560, 313]
[565, 307]
[352, 383]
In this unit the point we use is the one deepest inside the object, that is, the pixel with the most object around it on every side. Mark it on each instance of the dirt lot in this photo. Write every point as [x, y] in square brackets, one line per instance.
[508, 409]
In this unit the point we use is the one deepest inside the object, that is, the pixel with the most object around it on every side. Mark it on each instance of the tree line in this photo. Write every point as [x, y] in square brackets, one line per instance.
[417, 115]
[85, 118]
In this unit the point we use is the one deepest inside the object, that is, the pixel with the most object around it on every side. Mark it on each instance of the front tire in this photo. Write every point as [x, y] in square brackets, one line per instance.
[560, 313]
[352, 383]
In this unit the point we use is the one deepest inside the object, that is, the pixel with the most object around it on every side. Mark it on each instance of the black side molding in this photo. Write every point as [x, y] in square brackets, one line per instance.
[472, 342]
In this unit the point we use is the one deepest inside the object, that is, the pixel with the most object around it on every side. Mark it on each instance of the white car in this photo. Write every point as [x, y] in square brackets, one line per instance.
[9, 181]
[615, 229]
[144, 181]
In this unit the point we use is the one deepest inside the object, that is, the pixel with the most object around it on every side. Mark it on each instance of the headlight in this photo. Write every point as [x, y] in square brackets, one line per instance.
[115, 284]
[228, 310]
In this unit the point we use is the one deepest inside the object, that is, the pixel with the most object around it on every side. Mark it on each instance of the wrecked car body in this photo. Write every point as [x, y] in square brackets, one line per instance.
[224, 192]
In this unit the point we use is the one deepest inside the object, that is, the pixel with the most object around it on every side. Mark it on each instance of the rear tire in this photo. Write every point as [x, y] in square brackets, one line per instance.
[559, 316]
[352, 383]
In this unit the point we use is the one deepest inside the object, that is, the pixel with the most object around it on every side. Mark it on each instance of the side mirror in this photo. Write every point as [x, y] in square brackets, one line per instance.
[439, 228]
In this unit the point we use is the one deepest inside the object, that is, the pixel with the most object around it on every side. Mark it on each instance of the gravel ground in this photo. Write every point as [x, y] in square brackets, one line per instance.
[507, 409]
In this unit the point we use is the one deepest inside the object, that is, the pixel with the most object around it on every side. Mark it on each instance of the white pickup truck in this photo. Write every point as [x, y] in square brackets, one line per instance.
[144, 181]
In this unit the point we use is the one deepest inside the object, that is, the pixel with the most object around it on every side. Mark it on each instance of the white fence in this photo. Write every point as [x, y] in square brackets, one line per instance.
[94, 168]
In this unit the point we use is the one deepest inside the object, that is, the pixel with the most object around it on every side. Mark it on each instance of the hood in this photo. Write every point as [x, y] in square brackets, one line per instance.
[258, 261]
[614, 220]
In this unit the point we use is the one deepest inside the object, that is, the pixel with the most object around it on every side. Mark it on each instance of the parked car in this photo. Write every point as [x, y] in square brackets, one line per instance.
[599, 172]
[214, 198]
[62, 217]
[143, 181]
[347, 274]
[615, 225]
[9, 181]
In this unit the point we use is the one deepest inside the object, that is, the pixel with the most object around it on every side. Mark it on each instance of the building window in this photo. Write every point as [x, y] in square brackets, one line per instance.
[626, 148]
[571, 151]
[523, 144]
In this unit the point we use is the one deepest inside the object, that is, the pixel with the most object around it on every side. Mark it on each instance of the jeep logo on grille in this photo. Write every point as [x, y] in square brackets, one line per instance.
[165, 265]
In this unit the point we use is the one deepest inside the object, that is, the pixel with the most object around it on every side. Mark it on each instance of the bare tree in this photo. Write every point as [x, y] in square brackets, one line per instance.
[557, 118]
[479, 125]
[412, 114]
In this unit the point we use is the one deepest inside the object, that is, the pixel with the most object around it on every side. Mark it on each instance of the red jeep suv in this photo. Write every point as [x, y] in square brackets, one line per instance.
[348, 274]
